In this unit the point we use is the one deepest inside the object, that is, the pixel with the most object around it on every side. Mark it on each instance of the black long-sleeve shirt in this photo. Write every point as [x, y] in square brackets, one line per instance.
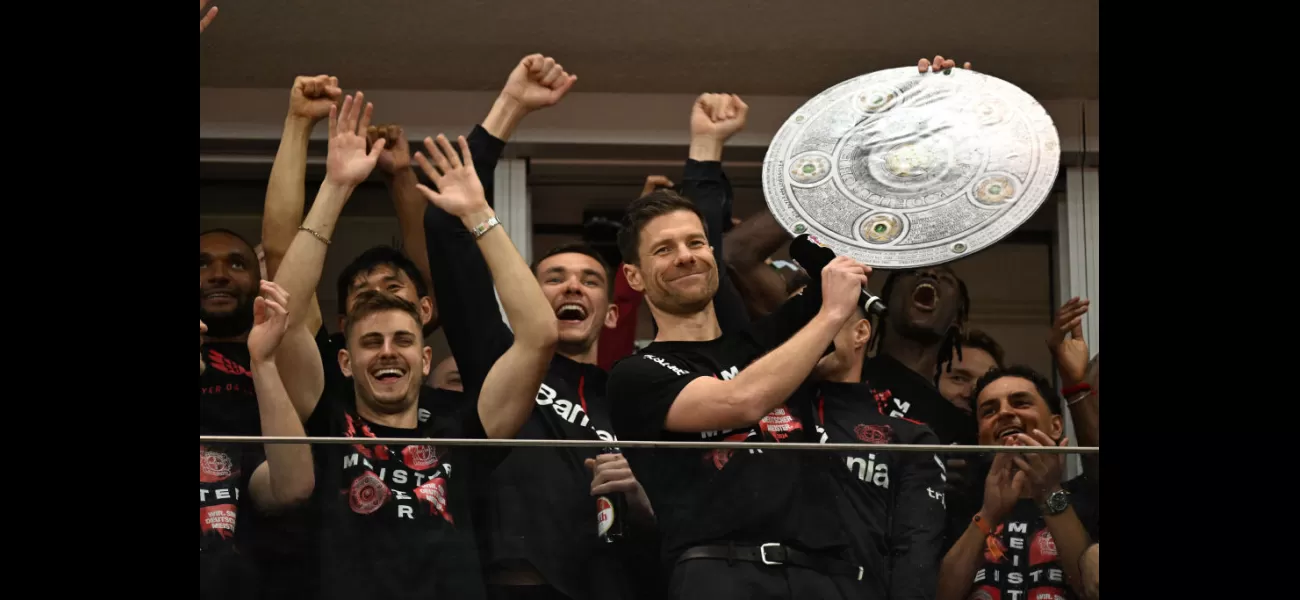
[893, 505]
[539, 507]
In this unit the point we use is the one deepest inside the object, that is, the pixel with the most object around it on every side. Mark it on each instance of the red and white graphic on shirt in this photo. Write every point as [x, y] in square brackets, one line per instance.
[721, 456]
[380, 451]
[368, 493]
[1046, 593]
[882, 398]
[434, 492]
[986, 592]
[214, 466]
[219, 518]
[874, 434]
[225, 365]
[779, 424]
[1043, 548]
[420, 458]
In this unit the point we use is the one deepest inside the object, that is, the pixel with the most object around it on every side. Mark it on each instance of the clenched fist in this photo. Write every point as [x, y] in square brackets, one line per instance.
[312, 97]
[718, 116]
[396, 156]
[537, 82]
[842, 281]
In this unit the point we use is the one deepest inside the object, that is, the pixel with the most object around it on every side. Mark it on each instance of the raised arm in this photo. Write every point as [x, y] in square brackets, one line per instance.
[714, 119]
[709, 404]
[470, 317]
[287, 477]
[395, 165]
[1002, 489]
[1070, 350]
[510, 389]
[347, 166]
[1044, 478]
[748, 247]
[309, 102]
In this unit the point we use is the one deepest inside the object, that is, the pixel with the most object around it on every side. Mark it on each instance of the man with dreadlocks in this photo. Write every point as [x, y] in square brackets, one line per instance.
[918, 338]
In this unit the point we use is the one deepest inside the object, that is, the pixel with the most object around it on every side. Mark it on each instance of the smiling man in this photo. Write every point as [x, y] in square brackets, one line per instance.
[1027, 538]
[228, 282]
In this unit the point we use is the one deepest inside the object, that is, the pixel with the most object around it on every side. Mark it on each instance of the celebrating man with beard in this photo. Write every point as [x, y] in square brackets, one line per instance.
[728, 516]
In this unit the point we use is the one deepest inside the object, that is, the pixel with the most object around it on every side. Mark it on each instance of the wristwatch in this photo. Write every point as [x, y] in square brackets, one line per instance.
[1056, 503]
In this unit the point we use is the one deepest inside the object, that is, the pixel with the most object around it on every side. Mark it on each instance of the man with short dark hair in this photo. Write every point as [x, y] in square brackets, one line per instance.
[1026, 540]
[724, 512]
[397, 521]
[893, 503]
[228, 282]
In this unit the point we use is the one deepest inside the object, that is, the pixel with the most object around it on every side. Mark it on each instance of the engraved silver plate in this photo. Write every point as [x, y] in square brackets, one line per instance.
[903, 169]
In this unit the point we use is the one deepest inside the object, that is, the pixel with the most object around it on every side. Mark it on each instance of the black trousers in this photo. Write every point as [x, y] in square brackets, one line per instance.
[718, 579]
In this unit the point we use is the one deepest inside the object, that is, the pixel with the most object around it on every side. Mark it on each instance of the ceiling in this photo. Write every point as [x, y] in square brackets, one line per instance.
[1049, 49]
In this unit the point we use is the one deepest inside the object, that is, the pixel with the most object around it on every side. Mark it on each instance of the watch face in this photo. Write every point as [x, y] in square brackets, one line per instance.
[1058, 501]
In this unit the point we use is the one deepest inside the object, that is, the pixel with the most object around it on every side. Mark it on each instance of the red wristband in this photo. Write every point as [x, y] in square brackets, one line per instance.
[1076, 388]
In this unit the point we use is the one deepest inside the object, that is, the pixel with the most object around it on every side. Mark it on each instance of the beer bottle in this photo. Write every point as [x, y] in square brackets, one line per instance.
[610, 511]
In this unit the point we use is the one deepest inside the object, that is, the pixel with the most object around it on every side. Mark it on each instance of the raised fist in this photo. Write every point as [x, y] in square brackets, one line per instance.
[312, 97]
[537, 82]
[842, 281]
[940, 64]
[397, 152]
[718, 116]
[655, 182]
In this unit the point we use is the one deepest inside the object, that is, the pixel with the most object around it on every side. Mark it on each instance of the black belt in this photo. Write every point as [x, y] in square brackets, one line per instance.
[775, 555]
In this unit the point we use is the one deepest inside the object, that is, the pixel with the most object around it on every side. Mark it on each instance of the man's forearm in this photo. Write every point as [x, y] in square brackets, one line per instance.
[510, 387]
[957, 571]
[754, 240]
[1071, 540]
[504, 117]
[300, 272]
[705, 148]
[769, 381]
[282, 212]
[291, 475]
[526, 307]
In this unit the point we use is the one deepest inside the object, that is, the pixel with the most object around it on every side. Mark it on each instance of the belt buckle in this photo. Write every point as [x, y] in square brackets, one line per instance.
[762, 553]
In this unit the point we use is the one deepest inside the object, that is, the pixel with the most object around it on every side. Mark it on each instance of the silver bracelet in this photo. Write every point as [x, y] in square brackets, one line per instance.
[482, 228]
[1079, 399]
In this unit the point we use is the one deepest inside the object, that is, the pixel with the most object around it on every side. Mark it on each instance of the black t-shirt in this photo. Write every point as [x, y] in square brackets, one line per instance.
[227, 400]
[538, 503]
[718, 496]
[1030, 568]
[225, 572]
[902, 392]
[227, 406]
[893, 501]
[395, 521]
